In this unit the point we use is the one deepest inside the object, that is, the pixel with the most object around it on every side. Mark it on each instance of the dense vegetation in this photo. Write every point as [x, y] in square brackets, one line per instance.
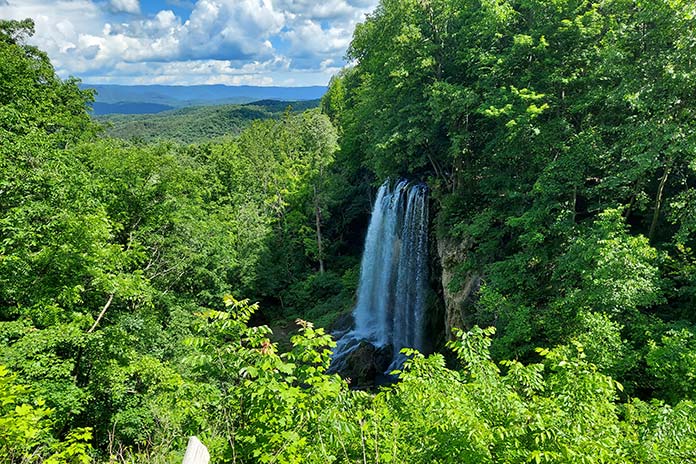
[558, 140]
[561, 142]
[197, 123]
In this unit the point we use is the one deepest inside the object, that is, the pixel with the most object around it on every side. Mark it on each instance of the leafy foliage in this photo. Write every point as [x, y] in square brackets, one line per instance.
[558, 140]
[25, 429]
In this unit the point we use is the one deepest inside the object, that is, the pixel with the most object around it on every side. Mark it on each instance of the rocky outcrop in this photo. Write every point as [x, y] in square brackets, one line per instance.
[364, 366]
[458, 296]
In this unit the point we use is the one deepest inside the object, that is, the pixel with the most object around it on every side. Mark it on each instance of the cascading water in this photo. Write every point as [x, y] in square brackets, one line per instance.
[393, 275]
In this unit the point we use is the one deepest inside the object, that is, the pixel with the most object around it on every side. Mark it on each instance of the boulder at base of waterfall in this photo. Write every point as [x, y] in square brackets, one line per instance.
[366, 363]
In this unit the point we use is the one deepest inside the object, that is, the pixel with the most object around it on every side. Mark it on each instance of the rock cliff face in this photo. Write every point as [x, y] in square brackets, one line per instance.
[458, 298]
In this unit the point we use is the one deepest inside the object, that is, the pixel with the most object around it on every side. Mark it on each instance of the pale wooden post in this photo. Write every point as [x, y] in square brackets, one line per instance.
[196, 452]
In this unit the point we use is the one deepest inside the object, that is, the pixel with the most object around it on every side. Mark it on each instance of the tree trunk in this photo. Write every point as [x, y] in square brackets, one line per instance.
[101, 314]
[317, 217]
[658, 200]
[634, 197]
[575, 203]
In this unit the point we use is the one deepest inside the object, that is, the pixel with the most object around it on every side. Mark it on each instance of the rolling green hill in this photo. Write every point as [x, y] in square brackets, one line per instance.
[138, 99]
[198, 123]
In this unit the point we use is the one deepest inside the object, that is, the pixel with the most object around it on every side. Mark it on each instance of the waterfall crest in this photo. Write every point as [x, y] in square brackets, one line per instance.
[393, 275]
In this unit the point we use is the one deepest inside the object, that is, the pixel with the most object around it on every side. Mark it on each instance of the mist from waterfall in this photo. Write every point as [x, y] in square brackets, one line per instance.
[393, 275]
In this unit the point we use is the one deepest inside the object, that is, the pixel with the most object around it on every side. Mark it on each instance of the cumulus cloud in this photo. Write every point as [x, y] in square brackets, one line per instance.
[58, 26]
[194, 72]
[221, 41]
[308, 38]
[240, 28]
[125, 6]
[317, 31]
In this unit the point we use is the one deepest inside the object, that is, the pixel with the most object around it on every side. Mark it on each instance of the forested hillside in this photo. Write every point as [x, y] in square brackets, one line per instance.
[197, 123]
[557, 140]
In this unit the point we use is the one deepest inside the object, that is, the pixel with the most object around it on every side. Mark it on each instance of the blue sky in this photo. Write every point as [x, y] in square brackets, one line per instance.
[234, 42]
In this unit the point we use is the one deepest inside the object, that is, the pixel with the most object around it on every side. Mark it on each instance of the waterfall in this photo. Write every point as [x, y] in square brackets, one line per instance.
[393, 275]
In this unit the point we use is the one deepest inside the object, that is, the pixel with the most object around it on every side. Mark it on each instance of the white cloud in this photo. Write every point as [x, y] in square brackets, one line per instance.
[309, 38]
[222, 41]
[126, 6]
[320, 30]
[230, 27]
[58, 26]
[195, 72]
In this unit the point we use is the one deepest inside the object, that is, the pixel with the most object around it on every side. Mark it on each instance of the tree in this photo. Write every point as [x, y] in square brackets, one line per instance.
[533, 122]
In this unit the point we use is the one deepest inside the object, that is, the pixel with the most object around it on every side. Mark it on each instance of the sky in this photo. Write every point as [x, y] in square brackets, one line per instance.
[190, 42]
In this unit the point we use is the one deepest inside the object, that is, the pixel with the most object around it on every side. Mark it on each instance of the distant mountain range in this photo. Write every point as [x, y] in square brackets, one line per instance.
[196, 123]
[142, 99]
